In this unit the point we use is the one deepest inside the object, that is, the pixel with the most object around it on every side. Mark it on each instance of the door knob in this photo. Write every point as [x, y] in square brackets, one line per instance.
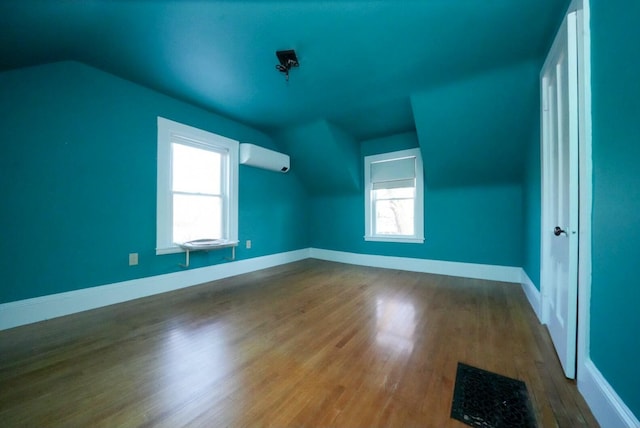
[558, 231]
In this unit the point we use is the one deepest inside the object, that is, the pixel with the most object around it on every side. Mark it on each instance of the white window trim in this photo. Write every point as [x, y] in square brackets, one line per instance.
[166, 130]
[418, 236]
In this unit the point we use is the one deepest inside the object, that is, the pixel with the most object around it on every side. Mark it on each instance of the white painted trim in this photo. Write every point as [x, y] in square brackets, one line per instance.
[28, 311]
[418, 215]
[560, 253]
[439, 267]
[586, 189]
[395, 239]
[606, 405]
[168, 132]
[604, 402]
[532, 293]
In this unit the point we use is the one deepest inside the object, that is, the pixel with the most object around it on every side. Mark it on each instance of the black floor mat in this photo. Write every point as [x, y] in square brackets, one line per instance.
[489, 400]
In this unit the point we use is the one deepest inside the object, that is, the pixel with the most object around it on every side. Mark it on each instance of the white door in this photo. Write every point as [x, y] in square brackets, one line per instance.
[559, 246]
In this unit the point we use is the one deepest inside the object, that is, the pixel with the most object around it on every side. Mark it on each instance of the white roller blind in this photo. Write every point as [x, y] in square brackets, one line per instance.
[394, 173]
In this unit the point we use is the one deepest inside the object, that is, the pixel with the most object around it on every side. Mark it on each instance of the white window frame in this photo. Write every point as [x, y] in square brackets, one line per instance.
[168, 132]
[418, 215]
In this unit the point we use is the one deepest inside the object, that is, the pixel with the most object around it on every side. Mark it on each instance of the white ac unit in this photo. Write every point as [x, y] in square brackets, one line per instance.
[257, 156]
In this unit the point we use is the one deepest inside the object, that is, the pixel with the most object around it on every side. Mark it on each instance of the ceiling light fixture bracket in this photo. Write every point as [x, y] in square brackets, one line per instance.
[288, 60]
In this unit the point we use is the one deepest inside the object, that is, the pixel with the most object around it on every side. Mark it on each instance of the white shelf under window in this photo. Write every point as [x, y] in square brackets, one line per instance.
[207, 245]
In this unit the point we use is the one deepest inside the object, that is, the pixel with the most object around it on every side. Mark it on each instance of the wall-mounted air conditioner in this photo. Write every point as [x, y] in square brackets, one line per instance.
[257, 156]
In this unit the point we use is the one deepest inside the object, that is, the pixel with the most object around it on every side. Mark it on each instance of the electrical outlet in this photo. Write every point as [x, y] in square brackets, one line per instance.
[133, 259]
[248, 244]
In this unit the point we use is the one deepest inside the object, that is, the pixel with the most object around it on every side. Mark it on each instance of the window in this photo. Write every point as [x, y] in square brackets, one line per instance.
[394, 197]
[197, 186]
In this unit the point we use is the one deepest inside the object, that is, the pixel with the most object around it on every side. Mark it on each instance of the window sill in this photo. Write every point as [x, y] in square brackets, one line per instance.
[175, 249]
[407, 240]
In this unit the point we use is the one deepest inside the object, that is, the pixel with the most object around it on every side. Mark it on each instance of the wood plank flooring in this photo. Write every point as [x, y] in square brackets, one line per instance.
[309, 344]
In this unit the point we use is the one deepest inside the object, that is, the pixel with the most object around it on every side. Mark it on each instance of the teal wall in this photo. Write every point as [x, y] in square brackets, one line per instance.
[78, 177]
[532, 206]
[615, 293]
[481, 224]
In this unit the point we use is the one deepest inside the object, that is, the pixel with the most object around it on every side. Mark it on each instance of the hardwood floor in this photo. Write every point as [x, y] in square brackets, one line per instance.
[308, 344]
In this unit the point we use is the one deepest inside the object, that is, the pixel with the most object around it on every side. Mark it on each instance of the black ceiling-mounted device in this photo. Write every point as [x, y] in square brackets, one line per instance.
[288, 60]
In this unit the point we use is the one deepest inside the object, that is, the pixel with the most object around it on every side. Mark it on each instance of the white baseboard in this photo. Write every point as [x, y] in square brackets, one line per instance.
[532, 293]
[606, 405]
[439, 267]
[28, 311]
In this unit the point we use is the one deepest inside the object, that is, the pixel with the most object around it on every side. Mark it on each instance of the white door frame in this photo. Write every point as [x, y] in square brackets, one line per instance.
[559, 254]
[585, 173]
[581, 7]
[607, 406]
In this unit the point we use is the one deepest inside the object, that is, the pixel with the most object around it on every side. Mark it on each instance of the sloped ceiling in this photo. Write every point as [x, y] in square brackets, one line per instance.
[327, 158]
[360, 61]
[473, 130]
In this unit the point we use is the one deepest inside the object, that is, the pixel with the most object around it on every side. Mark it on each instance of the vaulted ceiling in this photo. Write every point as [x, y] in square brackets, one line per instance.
[361, 62]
